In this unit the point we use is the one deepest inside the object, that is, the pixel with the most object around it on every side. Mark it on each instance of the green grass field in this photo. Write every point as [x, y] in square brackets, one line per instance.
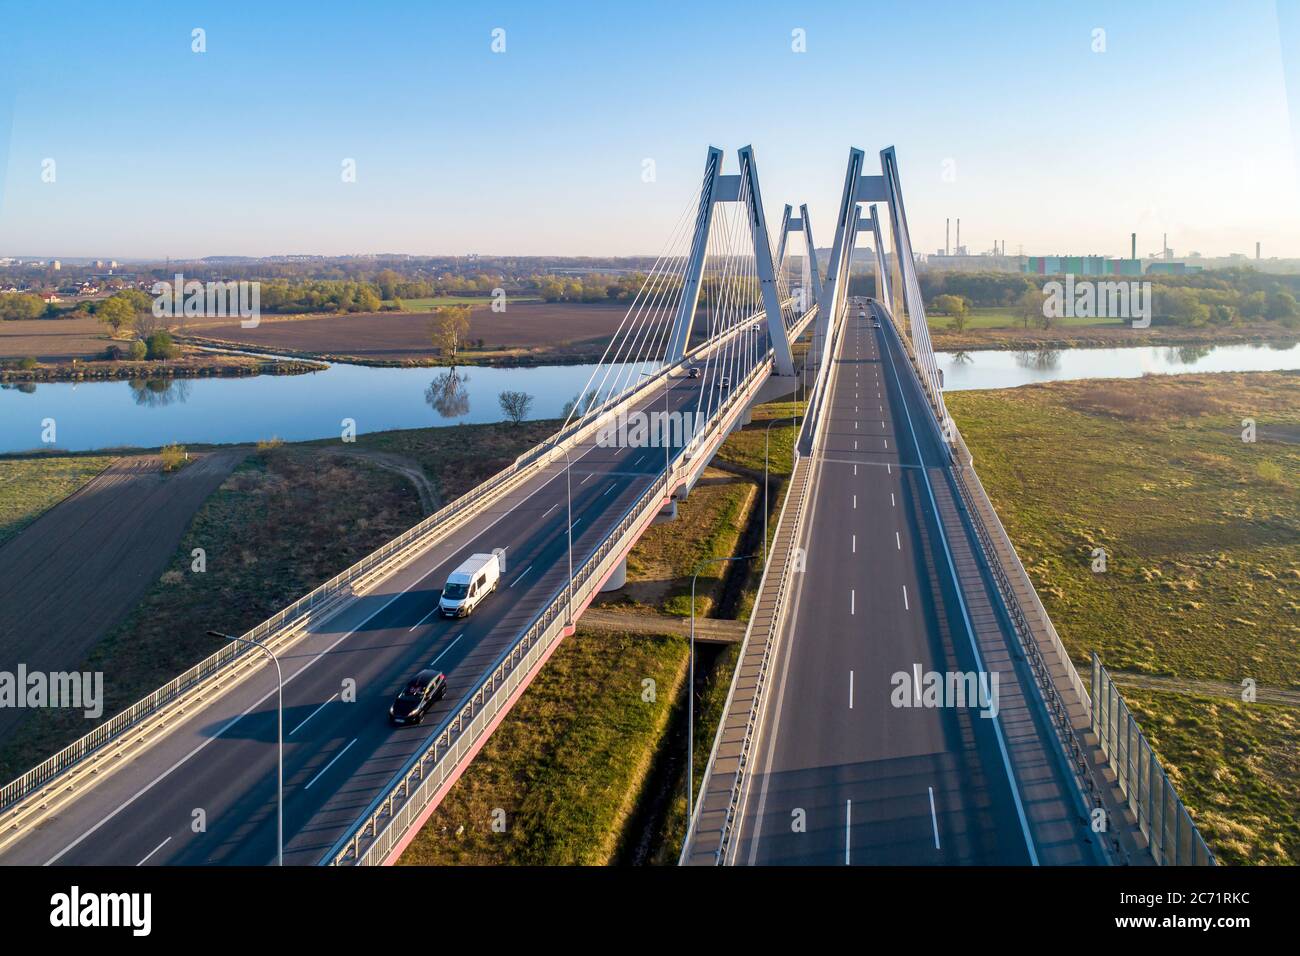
[567, 763]
[1000, 318]
[1202, 536]
[30, 486]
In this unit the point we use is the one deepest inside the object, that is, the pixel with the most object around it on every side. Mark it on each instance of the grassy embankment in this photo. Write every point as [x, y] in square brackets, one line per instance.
[29, 486]
[287, 519]
[1202, 536]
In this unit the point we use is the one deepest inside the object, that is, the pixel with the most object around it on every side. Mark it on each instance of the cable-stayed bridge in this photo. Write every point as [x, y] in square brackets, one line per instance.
[710, 334]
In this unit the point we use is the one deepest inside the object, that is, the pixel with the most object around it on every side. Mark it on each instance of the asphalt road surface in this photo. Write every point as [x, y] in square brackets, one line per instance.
[206, 794]
[843, 775]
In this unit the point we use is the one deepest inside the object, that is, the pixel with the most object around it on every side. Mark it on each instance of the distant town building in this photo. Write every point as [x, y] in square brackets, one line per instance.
[1081, 266]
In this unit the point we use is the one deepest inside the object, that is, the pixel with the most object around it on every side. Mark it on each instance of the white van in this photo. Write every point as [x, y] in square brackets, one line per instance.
[470, 583]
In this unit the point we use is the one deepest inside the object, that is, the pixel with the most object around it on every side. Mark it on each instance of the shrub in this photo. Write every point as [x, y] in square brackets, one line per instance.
[267, 445]
[161, 346]
[173, 456]
[138, 350]
[27, 363]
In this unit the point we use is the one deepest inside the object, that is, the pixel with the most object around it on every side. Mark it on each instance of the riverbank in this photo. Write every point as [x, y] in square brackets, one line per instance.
[190, 364]
[1107, 336]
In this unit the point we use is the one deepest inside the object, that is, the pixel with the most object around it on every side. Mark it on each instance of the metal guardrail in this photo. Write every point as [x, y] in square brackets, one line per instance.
[796, 496]
[408, 795]
[799, 483]
[1057, 708]
[292, 619]
[966, 463]
[1171, 835]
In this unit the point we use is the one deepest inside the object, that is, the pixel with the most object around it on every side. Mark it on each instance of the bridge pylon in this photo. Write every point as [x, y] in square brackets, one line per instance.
[896, 279]
[742, 188]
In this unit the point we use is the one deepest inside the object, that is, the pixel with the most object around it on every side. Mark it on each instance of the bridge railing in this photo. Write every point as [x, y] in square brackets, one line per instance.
[385, 824]
[291, 622]
[1171, 835]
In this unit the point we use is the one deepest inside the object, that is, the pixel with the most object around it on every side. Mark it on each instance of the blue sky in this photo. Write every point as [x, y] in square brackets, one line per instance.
[1186, 124]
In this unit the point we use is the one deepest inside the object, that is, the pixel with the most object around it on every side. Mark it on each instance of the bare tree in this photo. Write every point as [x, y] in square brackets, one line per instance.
[515, 405]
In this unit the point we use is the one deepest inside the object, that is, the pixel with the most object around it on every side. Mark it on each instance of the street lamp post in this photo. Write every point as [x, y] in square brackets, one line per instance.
[279, 680]
[767, 436]
[568, 487]
[690, 690]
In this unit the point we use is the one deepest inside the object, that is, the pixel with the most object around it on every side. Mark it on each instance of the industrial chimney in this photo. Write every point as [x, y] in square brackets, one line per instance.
[1257, 251]
[1133, 251]
[959, 235]
[947, 233]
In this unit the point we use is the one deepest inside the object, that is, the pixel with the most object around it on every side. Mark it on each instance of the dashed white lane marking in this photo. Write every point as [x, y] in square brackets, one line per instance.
[585, 480]
[906, 606]
[848, 829]
[609, 489]
[854, 548]
[423, 619]
[311, 715]
[892, 502]
[855, 502]
[447, 648]
[330, 764]
[521, 577]
[153, 851]
[550, 509]
[850, 690]
[898, 540]
[934, 819]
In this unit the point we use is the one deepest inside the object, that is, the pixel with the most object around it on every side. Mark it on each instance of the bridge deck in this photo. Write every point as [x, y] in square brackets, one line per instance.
[840, 773]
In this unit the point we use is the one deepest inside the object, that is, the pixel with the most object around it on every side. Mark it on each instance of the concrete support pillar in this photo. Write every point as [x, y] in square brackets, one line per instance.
[617, 579]
[666, 514]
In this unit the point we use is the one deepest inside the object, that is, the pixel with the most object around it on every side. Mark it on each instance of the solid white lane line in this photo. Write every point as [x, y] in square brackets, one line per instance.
[447, 648]
[330, 764]
[312, 714]
[906, 606]
[898, 540]
[848, 829]
[153, 851]
[934, 819]
[521, 577]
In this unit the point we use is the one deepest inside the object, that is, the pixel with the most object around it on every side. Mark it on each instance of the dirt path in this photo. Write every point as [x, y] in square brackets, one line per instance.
[707, 629]
[70, 576]
[1205, 688]
[408, 468]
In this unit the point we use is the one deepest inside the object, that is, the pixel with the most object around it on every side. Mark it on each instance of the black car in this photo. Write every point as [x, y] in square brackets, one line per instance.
[693, 372]
[417, 697]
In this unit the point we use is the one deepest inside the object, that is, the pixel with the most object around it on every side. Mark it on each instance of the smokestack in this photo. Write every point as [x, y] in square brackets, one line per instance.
[947, 234]
[959, 235]
[1164, 245]
[1133, 240]
[1257, 251]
